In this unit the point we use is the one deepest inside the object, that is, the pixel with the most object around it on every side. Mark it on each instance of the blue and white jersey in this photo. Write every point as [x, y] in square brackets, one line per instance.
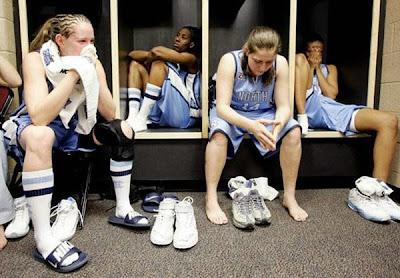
[324, 112]
[315, 84]
[250, 94]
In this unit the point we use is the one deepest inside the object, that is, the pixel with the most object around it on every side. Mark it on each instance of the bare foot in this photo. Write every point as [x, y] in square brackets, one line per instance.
[214, 212]
[3, 240]
[295, 211]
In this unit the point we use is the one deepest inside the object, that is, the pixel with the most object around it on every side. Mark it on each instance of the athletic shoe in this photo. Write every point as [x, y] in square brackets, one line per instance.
[162, 232]
[19, 226]
[242, 209]
[303, 121]
[186, 235]
[366, 206]
[388, 205]
[67, 217]
[261, 213]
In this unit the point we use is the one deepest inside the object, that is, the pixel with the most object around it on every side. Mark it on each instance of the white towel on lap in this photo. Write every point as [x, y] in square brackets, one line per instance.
[85, 96]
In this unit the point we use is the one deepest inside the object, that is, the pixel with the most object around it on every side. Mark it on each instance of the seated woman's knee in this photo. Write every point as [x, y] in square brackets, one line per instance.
[39, 138]
[301, 60]
[293, 137]
[391, 121]
[127, 130]
[219, 139]
[135, 66]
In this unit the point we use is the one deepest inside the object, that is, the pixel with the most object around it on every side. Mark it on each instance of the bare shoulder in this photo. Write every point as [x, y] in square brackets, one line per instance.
[281, 63]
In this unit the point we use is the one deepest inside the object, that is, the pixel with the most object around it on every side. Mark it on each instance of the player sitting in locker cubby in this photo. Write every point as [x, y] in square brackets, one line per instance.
[316, 88]
[170, 82]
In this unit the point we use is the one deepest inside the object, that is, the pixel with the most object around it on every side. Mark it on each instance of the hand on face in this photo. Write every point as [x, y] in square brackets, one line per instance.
[315, 59]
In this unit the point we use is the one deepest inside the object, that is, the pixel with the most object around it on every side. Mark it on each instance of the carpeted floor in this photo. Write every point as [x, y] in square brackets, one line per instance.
[333, 242]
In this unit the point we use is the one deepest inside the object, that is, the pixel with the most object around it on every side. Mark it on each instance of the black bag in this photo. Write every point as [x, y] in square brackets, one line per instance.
[6, 98]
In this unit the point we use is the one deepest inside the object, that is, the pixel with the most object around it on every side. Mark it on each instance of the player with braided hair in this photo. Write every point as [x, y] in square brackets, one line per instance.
[38, 129]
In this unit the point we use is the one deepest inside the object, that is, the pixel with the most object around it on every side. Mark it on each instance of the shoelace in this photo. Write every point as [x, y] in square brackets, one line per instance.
[257, 201]
[19, 211]
[184, 219]
[162, 216]
[61, 213]
[245, 205]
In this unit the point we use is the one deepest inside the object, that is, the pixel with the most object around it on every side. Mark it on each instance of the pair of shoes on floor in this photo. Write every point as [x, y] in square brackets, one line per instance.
[249, 209]
[19, 226]
[67, 218]
[178, 214]
[371, 200]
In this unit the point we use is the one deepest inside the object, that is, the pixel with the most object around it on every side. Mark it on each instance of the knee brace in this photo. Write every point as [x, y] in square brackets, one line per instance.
[115, 143]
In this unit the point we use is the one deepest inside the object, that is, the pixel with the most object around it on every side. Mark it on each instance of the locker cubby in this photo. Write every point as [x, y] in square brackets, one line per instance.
[351, 43]
[140, 29]
[35, 12]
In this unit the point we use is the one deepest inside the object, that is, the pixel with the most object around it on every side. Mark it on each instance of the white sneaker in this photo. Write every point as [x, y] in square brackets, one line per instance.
[162, 232]
[186, 235]
[67, 217]
[389, 206]
[261, 213]
[242, 209]
[303, 121]
[366, 206]
[19, 226]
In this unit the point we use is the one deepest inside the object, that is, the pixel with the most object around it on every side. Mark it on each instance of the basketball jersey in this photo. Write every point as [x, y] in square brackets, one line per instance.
[250, 94]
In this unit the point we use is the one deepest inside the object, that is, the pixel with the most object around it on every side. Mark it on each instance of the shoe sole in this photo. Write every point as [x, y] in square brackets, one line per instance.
[186, 246]
[354, 208]
[245, 226]
[263, 222]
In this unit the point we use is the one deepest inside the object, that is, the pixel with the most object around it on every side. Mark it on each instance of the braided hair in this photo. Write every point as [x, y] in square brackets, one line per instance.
[63, 24]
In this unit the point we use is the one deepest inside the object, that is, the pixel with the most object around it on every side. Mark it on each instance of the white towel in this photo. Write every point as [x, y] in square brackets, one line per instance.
[86, 92]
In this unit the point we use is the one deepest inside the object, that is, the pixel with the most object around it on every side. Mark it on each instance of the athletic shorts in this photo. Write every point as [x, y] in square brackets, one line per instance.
[235, 134]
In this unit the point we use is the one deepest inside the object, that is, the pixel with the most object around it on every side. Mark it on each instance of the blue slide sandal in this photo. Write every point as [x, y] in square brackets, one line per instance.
[59, 254]
[151, 202]
[129, 222]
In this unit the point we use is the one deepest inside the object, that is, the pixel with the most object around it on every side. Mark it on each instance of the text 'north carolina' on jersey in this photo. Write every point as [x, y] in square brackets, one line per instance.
[249, 94]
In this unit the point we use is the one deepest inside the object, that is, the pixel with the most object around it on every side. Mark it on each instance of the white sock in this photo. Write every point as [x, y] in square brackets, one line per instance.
[150, 97]
[133, 103]
[121, 176]
[38, 188]
[303, 121]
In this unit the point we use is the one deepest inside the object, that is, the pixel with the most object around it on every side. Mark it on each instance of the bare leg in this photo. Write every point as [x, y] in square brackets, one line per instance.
[158, 73]
[385, 125]
[290, 156]
[3, 240]
[215, 161]
[138, 76]
[303, 81]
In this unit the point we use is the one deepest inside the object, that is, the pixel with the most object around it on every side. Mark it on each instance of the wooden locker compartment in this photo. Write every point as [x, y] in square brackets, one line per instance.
[135, 27]
[33, 13]
[350, 31]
